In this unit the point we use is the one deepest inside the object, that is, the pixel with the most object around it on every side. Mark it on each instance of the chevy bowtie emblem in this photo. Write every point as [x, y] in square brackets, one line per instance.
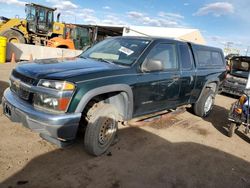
[16, 83]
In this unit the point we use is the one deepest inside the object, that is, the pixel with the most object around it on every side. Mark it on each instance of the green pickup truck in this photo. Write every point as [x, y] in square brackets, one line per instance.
[116, 80]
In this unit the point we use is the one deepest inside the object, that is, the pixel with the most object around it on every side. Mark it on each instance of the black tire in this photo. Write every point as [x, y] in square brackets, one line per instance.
[200, 108]
[231, 129]
[101, 118]
[14, 36]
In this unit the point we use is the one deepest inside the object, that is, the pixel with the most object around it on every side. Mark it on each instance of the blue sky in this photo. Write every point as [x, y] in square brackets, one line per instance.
[221, 22]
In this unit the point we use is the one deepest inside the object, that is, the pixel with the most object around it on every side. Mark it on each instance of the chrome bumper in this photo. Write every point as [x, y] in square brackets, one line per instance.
[53, 127]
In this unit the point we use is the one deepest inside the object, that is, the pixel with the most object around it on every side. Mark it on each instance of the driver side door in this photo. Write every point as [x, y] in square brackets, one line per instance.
[157, 90]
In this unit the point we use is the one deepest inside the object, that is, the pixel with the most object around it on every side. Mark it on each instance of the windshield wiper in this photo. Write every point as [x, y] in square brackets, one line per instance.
[103, 60]
[83, 57]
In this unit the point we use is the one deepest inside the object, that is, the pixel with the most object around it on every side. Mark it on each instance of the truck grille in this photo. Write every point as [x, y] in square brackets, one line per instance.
[23, 78]
[17, 87]
[19, 90]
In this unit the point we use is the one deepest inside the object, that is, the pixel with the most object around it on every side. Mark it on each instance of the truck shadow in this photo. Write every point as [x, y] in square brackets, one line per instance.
[3, 86]
[229, 95]
[219, 119]
[139, 159]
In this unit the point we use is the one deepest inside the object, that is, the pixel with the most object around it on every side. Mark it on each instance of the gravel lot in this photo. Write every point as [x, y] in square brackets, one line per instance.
[185, 151]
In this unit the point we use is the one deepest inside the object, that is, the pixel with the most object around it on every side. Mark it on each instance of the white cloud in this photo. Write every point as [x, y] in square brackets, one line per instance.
[113, 20]
[134, 14]
[242, 8]
[216, 9]
[80, 15]
[162, 20]
[87, 16]
[62, 4]
[85, 11]
[170, 15]
[106, 7]
[13, 2]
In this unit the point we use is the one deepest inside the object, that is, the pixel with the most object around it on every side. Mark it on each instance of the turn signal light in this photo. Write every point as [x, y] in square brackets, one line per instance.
[238, 110]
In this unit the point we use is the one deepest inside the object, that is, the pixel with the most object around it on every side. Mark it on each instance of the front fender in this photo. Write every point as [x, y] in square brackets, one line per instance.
[107, 89]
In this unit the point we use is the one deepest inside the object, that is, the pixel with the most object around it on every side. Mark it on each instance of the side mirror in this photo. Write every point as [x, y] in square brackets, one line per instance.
[152, 65]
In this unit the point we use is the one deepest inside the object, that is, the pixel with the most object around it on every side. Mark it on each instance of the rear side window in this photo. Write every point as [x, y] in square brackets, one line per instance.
[217, 59]
[206, 58]
[186, 57]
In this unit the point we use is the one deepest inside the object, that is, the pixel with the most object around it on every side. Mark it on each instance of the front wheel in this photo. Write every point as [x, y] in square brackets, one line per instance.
[101, 128]
[205, 104]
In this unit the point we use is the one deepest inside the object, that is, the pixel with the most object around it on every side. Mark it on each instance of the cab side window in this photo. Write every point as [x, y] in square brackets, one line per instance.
[166, 53]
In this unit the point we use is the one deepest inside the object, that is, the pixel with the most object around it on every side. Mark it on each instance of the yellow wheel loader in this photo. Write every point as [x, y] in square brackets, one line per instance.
[38, 27]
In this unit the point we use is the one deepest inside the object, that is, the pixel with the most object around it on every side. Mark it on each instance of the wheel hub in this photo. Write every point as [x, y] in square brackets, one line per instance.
[208, 104]
[13, 40]
[107, 130]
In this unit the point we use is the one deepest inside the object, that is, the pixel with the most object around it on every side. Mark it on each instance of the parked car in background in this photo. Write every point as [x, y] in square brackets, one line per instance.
[237, 76]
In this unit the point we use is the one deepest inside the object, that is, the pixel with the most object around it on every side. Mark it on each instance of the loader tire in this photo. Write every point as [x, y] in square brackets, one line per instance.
[13, 36]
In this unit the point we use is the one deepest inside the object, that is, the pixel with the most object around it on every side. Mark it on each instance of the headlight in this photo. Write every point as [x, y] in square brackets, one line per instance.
[57, 85]
[51, 103]
[57, 100]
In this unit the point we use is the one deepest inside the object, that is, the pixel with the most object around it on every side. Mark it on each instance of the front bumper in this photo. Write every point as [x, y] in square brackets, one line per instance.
[56, 128]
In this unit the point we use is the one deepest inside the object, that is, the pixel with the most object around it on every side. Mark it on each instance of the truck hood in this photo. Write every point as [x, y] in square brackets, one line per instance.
[54, 68]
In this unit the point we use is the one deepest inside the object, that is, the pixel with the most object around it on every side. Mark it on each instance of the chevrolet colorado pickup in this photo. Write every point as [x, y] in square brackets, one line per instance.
[115, 81]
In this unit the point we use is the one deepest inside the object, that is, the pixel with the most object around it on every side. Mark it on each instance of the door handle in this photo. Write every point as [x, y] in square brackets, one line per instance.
[175, 78]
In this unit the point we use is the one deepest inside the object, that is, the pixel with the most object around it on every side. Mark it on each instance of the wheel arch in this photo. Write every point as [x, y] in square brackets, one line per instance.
[212, 84]
[63, 46]
[120, 95]
[18, 30]
[14, 29]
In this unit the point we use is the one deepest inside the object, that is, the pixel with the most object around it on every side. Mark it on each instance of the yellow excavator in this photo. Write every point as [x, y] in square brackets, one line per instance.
[38, 27]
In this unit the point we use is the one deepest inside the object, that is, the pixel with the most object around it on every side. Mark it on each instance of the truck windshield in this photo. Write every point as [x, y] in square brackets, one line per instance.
[124, 51]
[240, 68]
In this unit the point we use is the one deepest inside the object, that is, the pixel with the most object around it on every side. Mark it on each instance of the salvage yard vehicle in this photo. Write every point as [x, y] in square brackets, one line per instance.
[37, 28]
[75, 37]
[239, 113]
[237, 76]
[116, 80]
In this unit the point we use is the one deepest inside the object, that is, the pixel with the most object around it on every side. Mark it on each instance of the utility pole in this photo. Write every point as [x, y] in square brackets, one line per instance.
[228, 47]
[247, 50]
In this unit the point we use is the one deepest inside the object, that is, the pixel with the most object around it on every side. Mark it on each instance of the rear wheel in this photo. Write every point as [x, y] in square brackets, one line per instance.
[205, 104]
[101, 128]
[14, 36]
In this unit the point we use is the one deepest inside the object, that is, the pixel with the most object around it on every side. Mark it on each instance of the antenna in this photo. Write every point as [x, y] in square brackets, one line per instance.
[127, 29]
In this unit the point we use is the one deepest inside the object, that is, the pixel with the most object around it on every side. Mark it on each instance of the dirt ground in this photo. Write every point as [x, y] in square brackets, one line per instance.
[186, 151]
